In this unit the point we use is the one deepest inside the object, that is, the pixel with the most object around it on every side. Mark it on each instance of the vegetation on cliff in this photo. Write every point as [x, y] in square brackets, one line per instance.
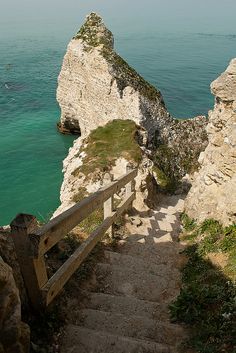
[176, 153]
[108, 143]
[125, 76]
[119, 92]
[94, 34]
[207, 301]
[101, 150]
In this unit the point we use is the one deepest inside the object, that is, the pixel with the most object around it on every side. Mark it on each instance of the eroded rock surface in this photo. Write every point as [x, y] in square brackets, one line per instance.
[14, 334]
[8, 254]
[213, 194]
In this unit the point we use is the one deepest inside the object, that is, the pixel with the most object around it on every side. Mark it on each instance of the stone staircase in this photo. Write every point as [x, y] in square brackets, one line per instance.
[129, 311]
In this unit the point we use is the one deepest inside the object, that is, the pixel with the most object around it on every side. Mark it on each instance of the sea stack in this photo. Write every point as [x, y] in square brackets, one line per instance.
[102, 97]
[213, 194]
[96, 85]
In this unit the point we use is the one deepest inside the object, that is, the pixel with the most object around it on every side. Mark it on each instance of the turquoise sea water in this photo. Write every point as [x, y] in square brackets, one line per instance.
[181, 65]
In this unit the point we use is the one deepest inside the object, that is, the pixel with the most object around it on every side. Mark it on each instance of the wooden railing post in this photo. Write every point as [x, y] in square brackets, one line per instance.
[33, 269]
[130, 187]
[108, 207]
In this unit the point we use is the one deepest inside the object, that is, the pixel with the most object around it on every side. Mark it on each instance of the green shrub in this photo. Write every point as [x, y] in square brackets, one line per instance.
[207, 303]
[188, 223]
[228, 242]
[211, 227]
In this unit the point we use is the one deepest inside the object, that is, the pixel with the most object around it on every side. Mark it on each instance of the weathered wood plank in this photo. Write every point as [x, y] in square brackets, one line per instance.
[33, 270]
[58, 280]
[130, 186]
[41, 272]
[49, 235]
[108, 209]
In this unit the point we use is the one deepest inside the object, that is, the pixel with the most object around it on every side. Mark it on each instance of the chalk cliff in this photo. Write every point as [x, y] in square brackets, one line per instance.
[96, 85]
[213, 194]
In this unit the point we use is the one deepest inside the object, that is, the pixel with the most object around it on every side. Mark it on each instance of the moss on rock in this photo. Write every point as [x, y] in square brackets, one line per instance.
[108, 143]
[94, 32]
[125, 76]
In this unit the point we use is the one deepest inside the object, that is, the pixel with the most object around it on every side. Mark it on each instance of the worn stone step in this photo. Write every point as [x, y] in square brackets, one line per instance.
[127, 306]
[144, 247]
[141, 285]
[137, 263]
[131, 326]
[83, 340]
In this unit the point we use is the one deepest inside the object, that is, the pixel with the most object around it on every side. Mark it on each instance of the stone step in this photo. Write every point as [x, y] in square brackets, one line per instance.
[119, 280]
[137, 327]
[138, 264]
[127, 306]
[83, 340]
[144, 247]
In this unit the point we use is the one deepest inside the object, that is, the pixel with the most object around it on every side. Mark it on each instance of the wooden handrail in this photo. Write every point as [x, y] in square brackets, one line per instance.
[58, 280]
[49, 234]
[31, 242]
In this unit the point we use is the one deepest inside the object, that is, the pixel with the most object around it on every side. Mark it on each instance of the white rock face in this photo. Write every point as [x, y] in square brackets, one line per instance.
[92, 97]
[96, 86]
[213, 194]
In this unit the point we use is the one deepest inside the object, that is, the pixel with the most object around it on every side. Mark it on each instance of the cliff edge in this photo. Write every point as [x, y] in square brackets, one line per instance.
[213, 193]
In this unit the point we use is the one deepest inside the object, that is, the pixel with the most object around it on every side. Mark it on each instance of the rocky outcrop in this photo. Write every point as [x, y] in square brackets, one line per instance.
[8, 254]
[93, 162]
[14, 334]
[213, 193]
[177, 150]
[96, 85]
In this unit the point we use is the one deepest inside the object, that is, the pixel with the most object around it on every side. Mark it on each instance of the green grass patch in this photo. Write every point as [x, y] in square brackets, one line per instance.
[207, 301]
[106, 144]
[89, 224]
[80, 195]
[228, 242]
[188, 223]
